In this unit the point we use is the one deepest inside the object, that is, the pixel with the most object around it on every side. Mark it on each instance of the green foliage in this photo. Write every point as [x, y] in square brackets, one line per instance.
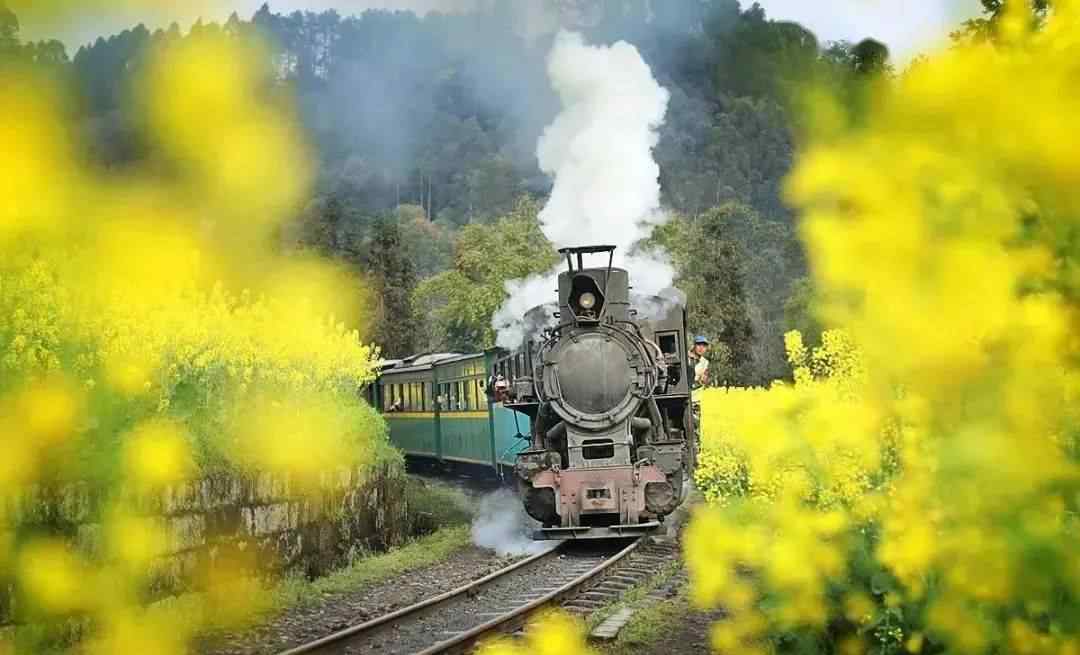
[434, 150]
[652, 625]
[799, 312]
[434, 506]
[754, 56]
[429, 246]
[461, 301]
[984, 28]
[395, 279]
[736, 269]
[740, 153]
[416, 123]
[426, 551]
[393, 251]
[9, 29]
[50, 55]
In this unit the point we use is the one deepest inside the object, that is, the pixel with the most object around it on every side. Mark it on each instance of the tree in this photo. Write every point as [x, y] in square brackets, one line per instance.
[428, 245]
[51, 54]
[460, 302]
[394, 278]
[736, 269]
[414, 123]
[870, 57]
[759, 57]
[799, 311]
[9, 31]
[740, 153]
[708, 272]
[985, 28]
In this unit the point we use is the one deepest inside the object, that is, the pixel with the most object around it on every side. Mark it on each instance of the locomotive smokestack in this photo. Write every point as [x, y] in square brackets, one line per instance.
[595, 294]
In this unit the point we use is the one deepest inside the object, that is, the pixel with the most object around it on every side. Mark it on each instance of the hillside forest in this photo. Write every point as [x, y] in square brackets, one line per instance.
[424, 129]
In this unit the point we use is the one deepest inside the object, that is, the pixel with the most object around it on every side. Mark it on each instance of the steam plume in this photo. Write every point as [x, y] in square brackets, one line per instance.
[606, 182]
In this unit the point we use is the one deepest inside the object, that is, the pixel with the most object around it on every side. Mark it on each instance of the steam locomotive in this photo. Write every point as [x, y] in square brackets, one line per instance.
[606, 391]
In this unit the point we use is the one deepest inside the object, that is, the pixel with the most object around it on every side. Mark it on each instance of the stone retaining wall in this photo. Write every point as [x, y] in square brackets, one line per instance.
[285, 527]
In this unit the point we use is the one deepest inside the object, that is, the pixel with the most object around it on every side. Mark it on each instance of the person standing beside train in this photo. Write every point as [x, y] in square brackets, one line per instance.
[698, 378]
[699, 364]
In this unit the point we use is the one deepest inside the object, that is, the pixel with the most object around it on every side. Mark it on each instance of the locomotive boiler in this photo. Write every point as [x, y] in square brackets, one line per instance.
[613, 439]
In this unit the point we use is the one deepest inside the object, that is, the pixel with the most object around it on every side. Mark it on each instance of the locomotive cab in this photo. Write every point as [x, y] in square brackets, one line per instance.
[609, 449]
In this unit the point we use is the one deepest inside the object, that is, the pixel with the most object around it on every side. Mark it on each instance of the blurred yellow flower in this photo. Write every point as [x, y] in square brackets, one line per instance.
[48, 412]
[157, 453]
[555, 633]
[54, 578]
[149, 318]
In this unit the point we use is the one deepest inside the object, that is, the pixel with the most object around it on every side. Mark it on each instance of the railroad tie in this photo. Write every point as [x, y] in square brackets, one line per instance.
[585, 604]
[614, 584]
[609, 628]
[638, 570]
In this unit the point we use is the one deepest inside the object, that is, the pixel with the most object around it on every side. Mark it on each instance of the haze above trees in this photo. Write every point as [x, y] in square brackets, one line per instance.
[425, 131]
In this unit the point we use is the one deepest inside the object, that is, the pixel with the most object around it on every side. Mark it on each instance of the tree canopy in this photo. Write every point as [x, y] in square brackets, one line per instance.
[425, 129]
[460, 302]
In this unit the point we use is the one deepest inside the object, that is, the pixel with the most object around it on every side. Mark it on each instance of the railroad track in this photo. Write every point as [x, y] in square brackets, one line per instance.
[582, 575]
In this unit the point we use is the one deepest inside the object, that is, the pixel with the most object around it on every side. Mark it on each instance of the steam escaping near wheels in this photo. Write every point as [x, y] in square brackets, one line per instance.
[503, 526]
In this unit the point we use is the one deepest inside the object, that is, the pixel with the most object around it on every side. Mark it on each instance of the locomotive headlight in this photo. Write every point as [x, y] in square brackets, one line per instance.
[587, 300]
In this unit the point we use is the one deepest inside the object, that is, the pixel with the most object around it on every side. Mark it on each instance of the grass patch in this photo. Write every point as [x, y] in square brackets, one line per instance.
[424, 551]
[434, 506]
[651, 624]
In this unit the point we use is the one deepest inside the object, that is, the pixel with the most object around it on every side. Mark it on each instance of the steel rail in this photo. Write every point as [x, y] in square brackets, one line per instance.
[417, 609]
[517, 617]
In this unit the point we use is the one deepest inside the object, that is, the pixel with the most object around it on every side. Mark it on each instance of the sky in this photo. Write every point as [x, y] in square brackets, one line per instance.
[906, 26]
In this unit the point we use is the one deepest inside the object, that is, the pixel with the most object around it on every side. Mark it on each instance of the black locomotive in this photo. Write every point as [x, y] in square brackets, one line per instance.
[613, 432]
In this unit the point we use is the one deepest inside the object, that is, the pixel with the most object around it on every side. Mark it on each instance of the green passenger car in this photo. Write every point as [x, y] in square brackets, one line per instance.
[438, 409]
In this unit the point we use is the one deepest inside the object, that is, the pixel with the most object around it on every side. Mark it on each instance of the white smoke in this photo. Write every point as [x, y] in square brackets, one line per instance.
[502, 525]
[599, 148]
[660, 304]
[606, 182]
[524, 294]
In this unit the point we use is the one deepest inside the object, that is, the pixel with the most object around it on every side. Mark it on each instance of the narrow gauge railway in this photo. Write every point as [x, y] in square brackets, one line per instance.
[579, 576]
